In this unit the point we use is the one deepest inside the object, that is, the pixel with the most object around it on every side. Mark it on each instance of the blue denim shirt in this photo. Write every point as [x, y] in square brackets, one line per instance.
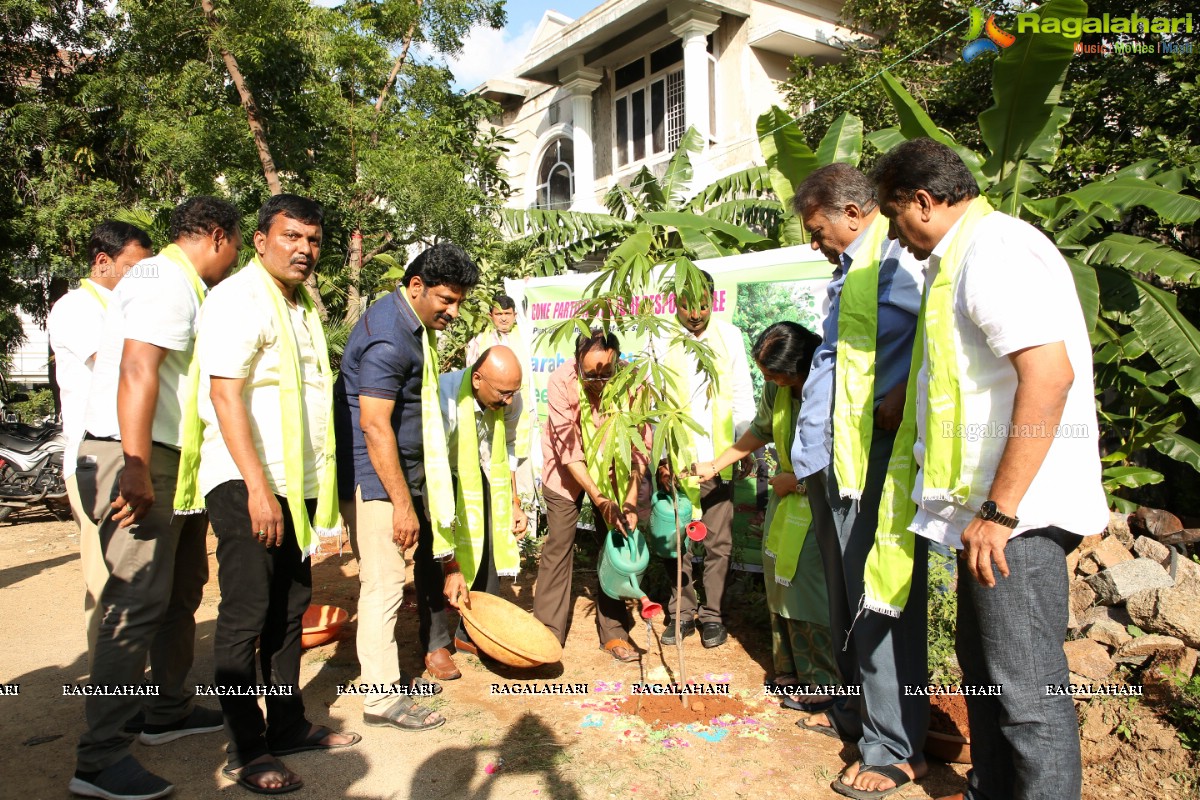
[900, 284]
[383, 358]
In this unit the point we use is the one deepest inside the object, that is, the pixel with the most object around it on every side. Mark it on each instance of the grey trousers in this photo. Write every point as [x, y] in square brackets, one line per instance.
[1024, 743]
[147, 608]
[716, 503]
[881, 654]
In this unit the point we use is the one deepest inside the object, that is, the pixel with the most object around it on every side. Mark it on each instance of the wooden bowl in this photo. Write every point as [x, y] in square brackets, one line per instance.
[948, 747]
[508, 633]
[321, 625]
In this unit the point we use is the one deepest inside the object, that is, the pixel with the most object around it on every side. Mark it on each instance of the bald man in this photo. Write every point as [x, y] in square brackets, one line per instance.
[490, 391]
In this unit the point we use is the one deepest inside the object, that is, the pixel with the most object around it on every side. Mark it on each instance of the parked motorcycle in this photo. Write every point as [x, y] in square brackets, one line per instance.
[31, 462]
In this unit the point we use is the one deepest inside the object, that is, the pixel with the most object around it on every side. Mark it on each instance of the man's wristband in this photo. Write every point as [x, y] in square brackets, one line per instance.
[450, 567]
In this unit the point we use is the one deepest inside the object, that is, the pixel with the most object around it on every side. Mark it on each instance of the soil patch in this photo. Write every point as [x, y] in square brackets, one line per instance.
[663, 711]
[948, 714]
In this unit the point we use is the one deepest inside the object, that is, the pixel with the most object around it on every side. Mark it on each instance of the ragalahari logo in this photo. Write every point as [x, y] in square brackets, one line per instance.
[994, 41]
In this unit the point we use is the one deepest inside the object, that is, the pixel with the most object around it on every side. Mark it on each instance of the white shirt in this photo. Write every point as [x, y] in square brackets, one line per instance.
[1015, 291]
[154, 303]
[72, 325]
[449, 384]
[737, 369]
[239, 338]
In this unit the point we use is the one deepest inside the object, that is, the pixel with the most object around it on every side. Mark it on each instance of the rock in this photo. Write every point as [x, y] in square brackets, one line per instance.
[1088, 566]
[1118, 525]
[1187, 573]
[1117, 614]
[1089, 659]
[1172, 611]
[1107, 632]
[1073, 562]
[1089, 542]
[1109, 553]
[1121, 581]
[1141, 649]
[1158, 679]
[1081, 597]
[1146, 547]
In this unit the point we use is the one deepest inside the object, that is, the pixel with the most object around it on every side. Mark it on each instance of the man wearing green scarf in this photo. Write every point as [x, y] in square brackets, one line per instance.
[505, 331]
[481, 409]
[141, 407]
[725, 411]
[394, 477]
[851, 408]
[268, 476]
[999, 448]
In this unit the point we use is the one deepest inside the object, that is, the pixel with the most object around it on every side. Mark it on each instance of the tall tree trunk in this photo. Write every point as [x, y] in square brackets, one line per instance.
[353, 297]
[259, 131]
[251, 108]
[408, 37]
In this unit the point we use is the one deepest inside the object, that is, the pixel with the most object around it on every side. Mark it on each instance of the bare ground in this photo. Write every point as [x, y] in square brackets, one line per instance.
[540, 748]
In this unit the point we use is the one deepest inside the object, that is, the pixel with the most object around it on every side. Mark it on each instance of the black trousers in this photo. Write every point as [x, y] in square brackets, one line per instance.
[264, 593]
[430, 582]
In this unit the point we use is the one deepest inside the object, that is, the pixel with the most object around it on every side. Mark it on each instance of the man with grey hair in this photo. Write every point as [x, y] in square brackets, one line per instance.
[851, 406]
[1005, 366]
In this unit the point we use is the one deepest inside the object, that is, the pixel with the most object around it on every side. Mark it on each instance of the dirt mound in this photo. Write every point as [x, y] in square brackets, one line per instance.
[663, 711]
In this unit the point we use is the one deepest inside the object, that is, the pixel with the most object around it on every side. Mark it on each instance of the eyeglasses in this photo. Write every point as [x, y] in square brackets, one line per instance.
[503, 395]
[599, 377]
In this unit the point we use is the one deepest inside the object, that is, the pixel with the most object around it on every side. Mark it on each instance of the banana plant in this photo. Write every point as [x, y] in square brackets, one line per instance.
[1147, 354]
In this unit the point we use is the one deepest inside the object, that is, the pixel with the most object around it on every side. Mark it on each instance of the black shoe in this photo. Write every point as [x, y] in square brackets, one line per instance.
[688, 627]
[201, 720]
[713, 634]
[136, 723]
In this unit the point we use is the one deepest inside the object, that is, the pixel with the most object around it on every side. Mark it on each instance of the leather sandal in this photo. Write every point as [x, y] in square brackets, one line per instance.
[621, 650]
[441, 665]
[405, 715]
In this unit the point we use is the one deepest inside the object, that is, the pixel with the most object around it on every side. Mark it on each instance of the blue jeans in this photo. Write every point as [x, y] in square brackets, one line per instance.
[1024, 743]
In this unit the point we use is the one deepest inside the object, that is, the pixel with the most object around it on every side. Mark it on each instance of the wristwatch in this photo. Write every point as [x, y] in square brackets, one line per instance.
[989, 513]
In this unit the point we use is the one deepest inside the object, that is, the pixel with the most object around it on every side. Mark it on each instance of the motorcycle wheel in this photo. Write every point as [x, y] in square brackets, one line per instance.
[5, 511]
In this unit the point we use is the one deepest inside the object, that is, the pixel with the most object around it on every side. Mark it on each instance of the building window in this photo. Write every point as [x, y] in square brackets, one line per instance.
[648, 108]
[556, 177]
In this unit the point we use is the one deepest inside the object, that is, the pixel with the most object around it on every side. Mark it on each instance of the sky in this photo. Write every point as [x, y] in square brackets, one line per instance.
[488, 53]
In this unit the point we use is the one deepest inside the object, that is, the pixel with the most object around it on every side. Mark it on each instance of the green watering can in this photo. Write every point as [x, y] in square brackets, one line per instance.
[662, 524]
[622, 561]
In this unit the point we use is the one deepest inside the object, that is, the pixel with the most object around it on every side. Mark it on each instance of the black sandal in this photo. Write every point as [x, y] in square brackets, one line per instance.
[242, 776]
[313, 742]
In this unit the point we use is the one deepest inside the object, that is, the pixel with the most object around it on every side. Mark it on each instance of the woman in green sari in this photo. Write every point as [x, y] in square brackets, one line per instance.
[801, 646]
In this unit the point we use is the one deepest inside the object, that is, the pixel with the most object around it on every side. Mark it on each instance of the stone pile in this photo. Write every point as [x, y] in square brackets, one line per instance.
[1133, 601]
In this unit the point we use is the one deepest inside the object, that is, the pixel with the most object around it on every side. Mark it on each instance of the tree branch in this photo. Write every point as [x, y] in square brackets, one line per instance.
[408, 37]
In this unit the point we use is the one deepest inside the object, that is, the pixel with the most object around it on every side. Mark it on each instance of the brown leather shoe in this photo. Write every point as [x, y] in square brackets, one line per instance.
[441, 665]
[463, 646]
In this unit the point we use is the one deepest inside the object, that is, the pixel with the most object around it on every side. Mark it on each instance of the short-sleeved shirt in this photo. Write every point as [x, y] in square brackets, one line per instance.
[383, 359]
[154, 303]
[239, 338]
[562, 436]
[1015, 291]
[74, 326]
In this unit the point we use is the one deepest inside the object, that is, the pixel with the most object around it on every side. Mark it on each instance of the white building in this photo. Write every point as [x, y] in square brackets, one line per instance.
[598, 98]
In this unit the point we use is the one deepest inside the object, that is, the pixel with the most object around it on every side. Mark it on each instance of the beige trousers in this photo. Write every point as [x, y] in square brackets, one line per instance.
[91, 563]
[381, 590]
